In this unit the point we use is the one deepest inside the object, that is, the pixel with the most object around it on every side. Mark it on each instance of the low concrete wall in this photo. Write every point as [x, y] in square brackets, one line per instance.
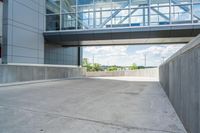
[22, 72]
[180, 78]
[152, 72]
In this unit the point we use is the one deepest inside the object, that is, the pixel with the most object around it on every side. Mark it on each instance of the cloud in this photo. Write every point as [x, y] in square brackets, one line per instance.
[162, 50]
[119, 55]
[107, 50]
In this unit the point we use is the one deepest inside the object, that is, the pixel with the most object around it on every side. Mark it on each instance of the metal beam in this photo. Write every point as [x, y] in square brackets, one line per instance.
[121, 21]
[117, 11]
[161, 14]
[52, 7]
[185, 8]
[71, 10]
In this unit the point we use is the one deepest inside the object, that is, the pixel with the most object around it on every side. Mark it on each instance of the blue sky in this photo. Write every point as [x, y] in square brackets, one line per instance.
[127, 55]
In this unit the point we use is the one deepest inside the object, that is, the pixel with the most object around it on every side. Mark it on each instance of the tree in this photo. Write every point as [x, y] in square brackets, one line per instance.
[85, 62]
[95, 67]
[133, 67]
[91, 67]
[141, 67]
[112, 68]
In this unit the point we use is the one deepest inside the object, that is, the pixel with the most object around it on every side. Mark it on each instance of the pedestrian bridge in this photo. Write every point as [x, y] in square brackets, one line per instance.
[168, 34]
[118, 22]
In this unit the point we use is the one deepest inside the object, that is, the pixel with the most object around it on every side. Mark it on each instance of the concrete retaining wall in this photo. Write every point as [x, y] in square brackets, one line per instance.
[153, 72]
[180, 78]
[18, 73]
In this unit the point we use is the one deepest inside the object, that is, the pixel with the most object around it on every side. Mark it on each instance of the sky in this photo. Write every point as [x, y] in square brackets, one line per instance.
[127, 55]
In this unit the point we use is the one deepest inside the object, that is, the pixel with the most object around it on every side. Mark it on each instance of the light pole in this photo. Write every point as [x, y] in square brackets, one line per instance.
[93, 59]
[145, 59]
[163, 59]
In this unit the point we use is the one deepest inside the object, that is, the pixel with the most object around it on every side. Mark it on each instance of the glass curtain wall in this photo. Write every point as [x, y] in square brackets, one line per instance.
[98, 14]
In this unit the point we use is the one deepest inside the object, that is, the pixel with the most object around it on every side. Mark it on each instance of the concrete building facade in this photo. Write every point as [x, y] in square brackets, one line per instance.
[1, 25]
[23, 41]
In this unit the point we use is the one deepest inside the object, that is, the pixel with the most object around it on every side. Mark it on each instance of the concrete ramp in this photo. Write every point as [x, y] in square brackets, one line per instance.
[87, 106]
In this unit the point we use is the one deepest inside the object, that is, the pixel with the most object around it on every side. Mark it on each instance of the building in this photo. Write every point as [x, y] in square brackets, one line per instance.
[23, 41]
[1, 20]
[44, 31]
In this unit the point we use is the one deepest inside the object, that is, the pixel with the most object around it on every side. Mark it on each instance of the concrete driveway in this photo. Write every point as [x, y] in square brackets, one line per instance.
[87, 106]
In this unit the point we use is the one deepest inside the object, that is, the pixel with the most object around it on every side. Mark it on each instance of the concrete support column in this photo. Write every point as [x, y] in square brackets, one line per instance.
[79, 56]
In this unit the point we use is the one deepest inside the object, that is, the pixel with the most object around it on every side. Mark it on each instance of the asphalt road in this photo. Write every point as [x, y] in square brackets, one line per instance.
[87, 106]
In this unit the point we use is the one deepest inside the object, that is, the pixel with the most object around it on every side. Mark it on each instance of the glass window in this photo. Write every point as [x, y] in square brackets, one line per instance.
[68, 6]
[138, 3]
[175, 2]
[159, 2]
[159, 15]
[103, 19]
[181, 14]
[69, 21]
[196, 1]
[85, 2]
[103, 4]
[52, 6]
[86, 20]
[196, 13]
[52, 22]
[85, 5]
[139, 17]
[120, 4]
[121, 19]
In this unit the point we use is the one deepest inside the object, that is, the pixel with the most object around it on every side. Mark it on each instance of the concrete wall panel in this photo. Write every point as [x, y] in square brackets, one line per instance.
[23, 26]
[151, 72]
[18, 73]
[180, 76]
[55, 54]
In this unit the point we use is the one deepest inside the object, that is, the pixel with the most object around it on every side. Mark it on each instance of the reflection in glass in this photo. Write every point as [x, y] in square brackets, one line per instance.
[159, 15]
[68, 21]
[52, 6]
[68, 6]
[196, 13]
[52, 22]
[181, 14]
[139, 17]
[98, 14]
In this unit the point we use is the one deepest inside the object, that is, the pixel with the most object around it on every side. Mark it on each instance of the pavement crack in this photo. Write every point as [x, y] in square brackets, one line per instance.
[86, 119]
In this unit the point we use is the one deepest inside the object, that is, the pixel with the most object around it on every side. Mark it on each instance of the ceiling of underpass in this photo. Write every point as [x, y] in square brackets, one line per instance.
[152, 41]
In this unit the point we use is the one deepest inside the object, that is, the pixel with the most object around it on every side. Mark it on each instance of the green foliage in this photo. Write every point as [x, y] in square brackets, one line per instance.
[112, 68]
[141, 67]
[133, 67]
[91, 67]
[95, 67]
[85, 62]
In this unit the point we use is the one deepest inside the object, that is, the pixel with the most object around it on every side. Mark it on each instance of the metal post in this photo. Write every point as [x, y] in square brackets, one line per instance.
[94, 15]
[144, 16]
[111, 13]
[145, 59]
[76, 14]
[149, 9]
[79, 56]
[60, 15]
[129, 12]
[192, 12]
[93, 59]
